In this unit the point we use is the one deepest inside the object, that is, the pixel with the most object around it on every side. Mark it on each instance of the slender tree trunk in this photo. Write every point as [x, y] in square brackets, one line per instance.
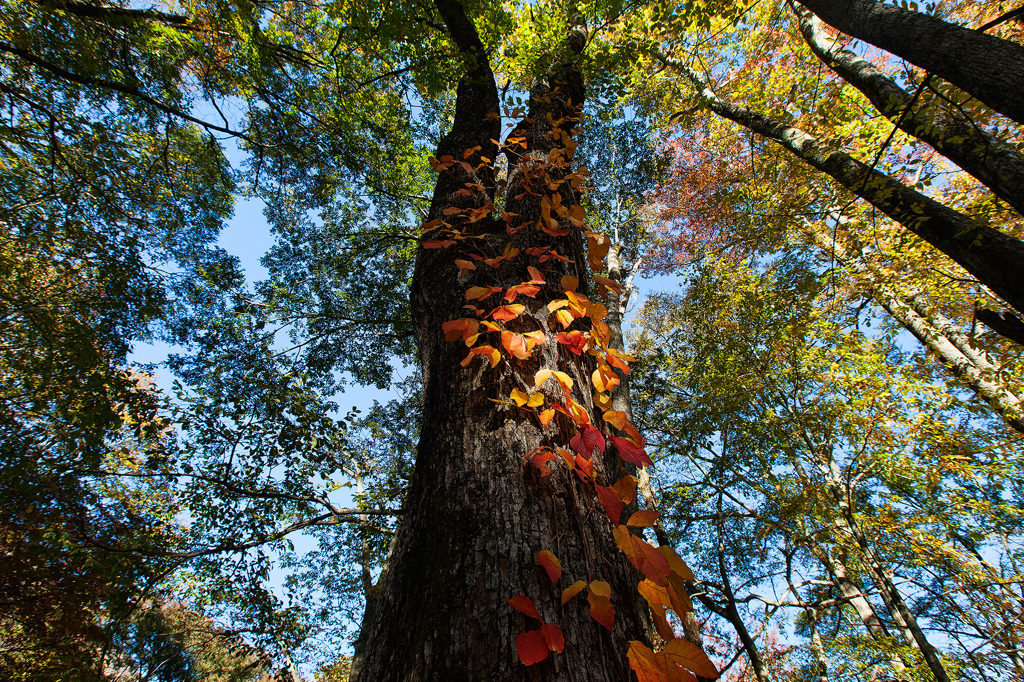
[987, 67]
[990, 255]
[934, 331]
[998, 166]
[476, 513]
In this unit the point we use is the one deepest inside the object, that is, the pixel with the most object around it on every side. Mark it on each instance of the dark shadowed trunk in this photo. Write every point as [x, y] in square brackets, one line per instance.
[476, 513]
[987, 67]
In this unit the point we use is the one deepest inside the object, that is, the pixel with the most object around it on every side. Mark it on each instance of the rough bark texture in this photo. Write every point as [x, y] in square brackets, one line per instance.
[989, 68]
[996, 165]
[1004, 323]
[476, 514]
[989, 255]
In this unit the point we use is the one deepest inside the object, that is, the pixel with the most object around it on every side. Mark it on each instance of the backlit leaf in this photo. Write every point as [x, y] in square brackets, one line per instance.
[628, 451]
[575, 341]
[505, 313]
[626, 489]
[616, 419]
[552, 566]
[678, 566]
[569, 283]
[515, 344]
[644, 663]
[474, 293]
[688, 655]
[611, 502]
[520, 397]
[546, 416]
[535, 275]
[643, 519]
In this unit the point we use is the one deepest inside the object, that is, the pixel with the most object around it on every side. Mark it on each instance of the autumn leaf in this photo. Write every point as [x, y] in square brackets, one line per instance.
[524, 604]
[644, 663]
[644, 557]
[490, 352]
[628, 451]
[678, 566]
[571, 591]
[601, 588]
[643, 519]
[602, 401]
[443, 244]
[657, 599]
[536, 277]
[532, 646]
[564, 317]
[554, 637]
[604, 378]
[540, 458]
[616, 419]
[584, 467]
[552, 566]
[575, 341]
[569, 283]
[688, 655]
[526, 289]
[587, 440]
[546, 416]
[504, 313]
[601, 609]
[515, 344]
[474, 293]
[626, 488]
[611, 502]
[604, 285]
[520, 397]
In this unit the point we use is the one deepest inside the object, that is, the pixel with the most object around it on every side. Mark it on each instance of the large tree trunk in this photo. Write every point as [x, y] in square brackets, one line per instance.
[984, 66]
[476, 513]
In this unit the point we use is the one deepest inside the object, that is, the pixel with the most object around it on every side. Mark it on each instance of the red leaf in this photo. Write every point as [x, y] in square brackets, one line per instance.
[550, 562]
[532, 647]
[628, 451]
[575, 341]
[611, 503]
[438, 245]
[526, 289]
[553, 635]
[587, 440]
[647, 560]
[602, 610]
[540, 458]
[524, 604]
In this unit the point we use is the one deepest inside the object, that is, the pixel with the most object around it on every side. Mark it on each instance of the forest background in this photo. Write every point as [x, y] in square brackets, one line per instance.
[831, 400]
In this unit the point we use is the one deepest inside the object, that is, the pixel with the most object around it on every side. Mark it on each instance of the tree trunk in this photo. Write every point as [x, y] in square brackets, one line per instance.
[934, 331]
[990, 255]
[996, 165]
[987, 67]
[477, 513]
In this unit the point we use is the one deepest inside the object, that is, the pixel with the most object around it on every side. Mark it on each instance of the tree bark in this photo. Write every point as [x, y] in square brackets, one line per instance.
[989, 68]
[996, 165]
[476, 513]
[989, 255]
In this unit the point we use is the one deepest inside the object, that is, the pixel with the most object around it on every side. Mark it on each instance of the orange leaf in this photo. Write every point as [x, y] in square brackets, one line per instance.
[546, 416]
[492, 354]
[678, 566]
[604, 378]
[515, 344]
[601, 588]
[565, 317]
[564, 379]
[535, 338]
[438, 244]
[642, 555]
[551, 564]
[616, 419]
[535, 274]
[602, 610]
[644, 663]
[480, 292]
[553, 635]
[611, 503]
[626, 488]
[571, 591]
[585, 466]
[539, 458]
[569, 283]
[687, 655]
[602, 401]
[465, 264]
[504, 313]
[524, 604]
[526, 289]
[532, 647]
[643, 519]
[604, 284]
